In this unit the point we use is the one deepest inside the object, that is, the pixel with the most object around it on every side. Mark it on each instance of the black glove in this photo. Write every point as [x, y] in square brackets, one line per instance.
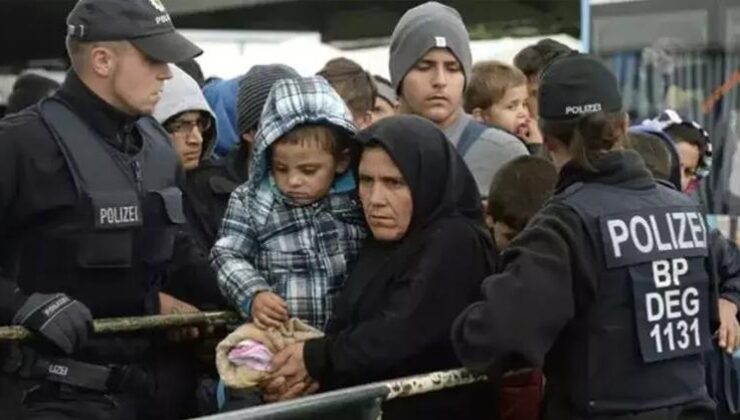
[58, 318]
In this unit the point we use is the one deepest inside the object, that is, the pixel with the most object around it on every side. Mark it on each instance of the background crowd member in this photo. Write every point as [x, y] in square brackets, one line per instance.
[221, 96]
[28, 89]
[386, 100]
[292, 232]
[428, 252]
[214, 180]
[354, 85]
[532, 60]
[653, 150]
[429, 66]
[694, 148]
[497, 96]
[89, 211]
[185, 114]
[518, 191]
[590, 277]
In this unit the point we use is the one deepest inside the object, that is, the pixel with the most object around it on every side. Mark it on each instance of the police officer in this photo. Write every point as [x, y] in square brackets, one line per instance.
[90, 213]
[607, 287]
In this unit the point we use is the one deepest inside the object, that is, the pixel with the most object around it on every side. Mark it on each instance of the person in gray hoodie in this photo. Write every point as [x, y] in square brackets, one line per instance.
[185, 115]
[430, 64]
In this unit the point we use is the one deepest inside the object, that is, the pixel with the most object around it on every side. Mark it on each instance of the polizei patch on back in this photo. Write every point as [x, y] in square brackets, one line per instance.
[637, 237]
[663, 251]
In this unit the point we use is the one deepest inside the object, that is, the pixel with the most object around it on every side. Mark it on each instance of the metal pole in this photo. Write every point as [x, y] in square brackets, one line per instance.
[136, 323]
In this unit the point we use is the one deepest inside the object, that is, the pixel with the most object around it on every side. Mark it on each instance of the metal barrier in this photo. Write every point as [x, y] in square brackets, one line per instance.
[137, 323]
[360, 402]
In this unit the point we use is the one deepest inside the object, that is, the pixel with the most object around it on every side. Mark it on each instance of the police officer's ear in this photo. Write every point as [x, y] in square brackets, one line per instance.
[102, 57]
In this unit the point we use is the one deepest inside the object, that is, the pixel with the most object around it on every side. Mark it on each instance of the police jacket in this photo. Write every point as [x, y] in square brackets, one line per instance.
[98, 248]
[555, 304]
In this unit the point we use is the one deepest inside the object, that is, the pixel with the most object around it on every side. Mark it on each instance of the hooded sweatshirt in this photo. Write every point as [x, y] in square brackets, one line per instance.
[182, 94]
[267, 241]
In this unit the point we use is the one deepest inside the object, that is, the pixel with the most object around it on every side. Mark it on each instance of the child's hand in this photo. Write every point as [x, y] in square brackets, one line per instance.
[269, 310]
[530, 132]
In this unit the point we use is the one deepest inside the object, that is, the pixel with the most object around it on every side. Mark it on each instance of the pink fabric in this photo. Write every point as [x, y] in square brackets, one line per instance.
[251, 354]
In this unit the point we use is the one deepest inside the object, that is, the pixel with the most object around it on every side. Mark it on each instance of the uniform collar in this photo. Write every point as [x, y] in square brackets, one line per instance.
[104, 118]
[624, 169]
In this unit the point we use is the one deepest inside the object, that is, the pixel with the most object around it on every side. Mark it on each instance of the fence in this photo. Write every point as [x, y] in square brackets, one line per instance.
[360, 402]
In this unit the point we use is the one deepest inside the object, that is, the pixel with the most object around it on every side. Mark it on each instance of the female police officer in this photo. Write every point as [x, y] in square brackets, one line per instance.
[607, 286]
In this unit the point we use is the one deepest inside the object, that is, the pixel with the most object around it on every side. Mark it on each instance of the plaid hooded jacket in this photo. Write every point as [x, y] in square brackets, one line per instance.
[302, 253]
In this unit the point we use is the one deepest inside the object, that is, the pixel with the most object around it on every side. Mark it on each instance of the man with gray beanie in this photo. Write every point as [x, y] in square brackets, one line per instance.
[430, 65]
[214, 181]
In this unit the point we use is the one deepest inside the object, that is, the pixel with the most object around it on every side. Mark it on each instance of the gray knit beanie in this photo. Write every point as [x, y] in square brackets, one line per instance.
[430, 25]
[253, 90]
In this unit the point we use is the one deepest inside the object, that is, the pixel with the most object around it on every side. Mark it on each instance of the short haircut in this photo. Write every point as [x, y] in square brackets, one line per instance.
[353, 84]
[519, 189]
[77, 50]
[534, 58]
[489, 82]
[653, 151]
[684, 133]
[325, 137]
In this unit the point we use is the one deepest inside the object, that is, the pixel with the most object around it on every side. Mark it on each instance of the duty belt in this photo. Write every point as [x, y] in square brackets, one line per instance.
[113, 378]
[28, 364]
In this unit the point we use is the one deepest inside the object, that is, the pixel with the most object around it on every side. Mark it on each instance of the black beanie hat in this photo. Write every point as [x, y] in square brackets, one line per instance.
[253, 90]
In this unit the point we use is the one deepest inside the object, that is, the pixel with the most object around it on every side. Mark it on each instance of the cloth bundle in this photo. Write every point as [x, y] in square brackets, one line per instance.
[243, 357]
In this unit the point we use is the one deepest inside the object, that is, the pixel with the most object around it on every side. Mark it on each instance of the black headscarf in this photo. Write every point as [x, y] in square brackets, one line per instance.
[442, 187]
[440, 182]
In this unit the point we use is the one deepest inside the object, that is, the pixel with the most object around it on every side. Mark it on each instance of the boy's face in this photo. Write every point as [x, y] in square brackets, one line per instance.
[433, 88]
[304, 171]
[511, 112]
[503, 234]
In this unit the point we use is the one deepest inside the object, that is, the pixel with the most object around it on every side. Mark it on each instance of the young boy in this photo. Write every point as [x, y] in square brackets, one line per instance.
[518, 191]
[292, 232]
[497, 96]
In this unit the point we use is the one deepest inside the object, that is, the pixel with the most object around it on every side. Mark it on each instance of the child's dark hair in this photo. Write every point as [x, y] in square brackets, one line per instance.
[353, 84]
[327, 138]
[519, 189]
[653, 151]
[534, 58]
[588, 136]
[688, 134]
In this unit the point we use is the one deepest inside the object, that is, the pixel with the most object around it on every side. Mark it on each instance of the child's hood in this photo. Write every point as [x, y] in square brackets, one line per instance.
[292, 103]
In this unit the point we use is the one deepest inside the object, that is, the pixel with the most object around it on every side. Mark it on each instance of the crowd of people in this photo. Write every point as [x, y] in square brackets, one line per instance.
[505, 218]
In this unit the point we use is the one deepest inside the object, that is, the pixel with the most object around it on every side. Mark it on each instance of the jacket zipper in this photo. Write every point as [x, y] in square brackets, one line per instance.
[137, 176]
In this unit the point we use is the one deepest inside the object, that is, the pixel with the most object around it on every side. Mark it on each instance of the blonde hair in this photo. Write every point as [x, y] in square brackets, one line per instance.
[489, 81]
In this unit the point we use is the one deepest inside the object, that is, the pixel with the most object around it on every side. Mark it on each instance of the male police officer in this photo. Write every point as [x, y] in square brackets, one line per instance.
[90, 212]
[607, 286]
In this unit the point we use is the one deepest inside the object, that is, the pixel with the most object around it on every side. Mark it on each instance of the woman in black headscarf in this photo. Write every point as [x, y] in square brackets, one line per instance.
[424, 263]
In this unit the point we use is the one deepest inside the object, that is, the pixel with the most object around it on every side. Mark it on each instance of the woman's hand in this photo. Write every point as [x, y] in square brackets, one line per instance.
[289, 364]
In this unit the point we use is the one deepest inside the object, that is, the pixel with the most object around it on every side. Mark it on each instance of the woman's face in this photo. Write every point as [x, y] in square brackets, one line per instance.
[386, 198]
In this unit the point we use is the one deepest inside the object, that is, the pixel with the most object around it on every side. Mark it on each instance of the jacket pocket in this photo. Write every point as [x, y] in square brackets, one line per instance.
[110, 241]
[164, 218]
